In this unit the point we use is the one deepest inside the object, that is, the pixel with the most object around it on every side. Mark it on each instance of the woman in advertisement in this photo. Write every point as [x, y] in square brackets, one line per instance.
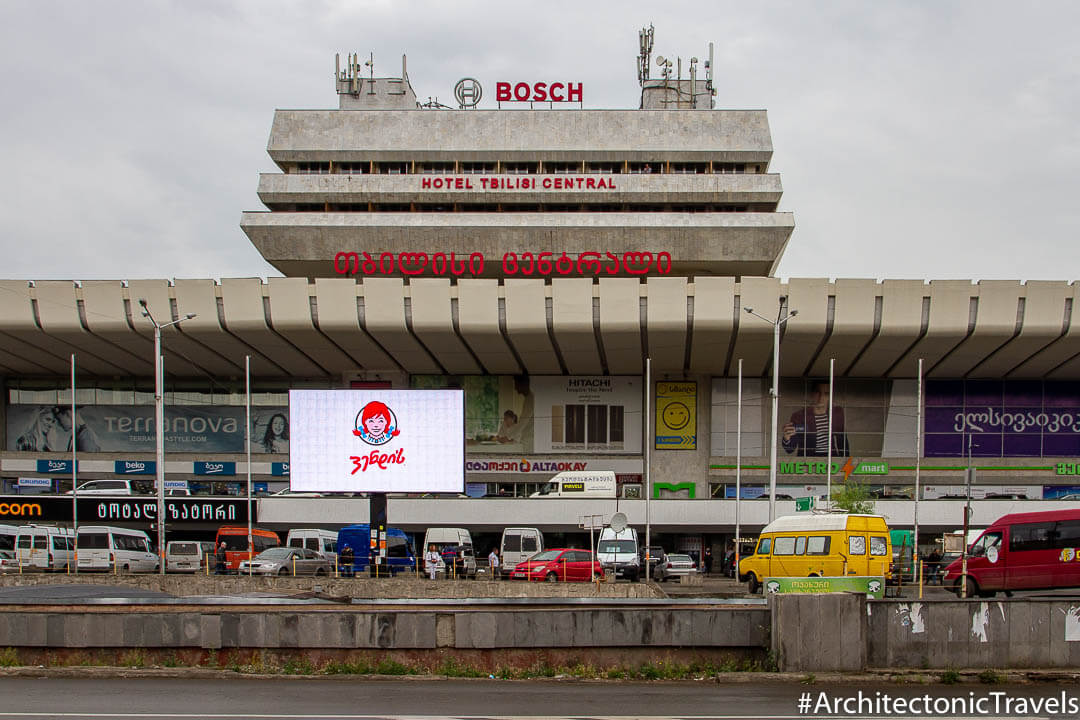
[276, 437]
[36, 437]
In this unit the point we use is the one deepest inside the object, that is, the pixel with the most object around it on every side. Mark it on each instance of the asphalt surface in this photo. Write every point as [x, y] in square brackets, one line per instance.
[61, 591]
[348, 698]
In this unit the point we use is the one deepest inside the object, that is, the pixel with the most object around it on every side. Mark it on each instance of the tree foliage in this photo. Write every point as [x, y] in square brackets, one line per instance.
[853, 496]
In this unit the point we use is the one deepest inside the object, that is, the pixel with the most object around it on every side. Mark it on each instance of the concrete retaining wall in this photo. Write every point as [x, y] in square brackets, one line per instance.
[382, 588]
[1027, 633]
[822, 633]
[336, 628]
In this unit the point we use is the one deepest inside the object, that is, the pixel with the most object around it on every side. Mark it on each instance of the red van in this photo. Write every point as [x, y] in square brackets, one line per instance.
[236, 543]
[1022, 551]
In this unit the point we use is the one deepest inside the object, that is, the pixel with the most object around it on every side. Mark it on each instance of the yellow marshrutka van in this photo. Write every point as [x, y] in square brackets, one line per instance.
[830, 545]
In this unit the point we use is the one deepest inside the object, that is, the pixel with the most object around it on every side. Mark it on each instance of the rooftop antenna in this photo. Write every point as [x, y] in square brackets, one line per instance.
[645, 41]
[370, 63]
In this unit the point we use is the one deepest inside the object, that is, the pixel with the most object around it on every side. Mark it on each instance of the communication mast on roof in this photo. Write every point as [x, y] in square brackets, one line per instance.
[672, 93]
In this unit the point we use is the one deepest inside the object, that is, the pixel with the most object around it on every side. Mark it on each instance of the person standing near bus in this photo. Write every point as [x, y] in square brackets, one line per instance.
[493, 563]
[431, 561]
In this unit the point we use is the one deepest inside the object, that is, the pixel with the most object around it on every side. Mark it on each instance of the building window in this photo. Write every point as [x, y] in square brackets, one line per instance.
[478, 168]
[392, 168]
[353, 168]
[313, 168]
[436, 168]
[519, 168]
[689, 168]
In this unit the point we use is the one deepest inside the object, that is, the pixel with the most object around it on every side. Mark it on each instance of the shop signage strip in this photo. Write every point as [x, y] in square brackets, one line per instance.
[134, 509]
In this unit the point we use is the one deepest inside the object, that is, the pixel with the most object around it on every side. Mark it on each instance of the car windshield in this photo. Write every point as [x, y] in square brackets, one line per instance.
[617, 546]
[546, 555]
[548, 488]
[278, 553]
[184, 549]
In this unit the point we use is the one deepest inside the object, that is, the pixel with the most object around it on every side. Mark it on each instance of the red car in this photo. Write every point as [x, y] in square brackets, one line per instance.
[559, 565]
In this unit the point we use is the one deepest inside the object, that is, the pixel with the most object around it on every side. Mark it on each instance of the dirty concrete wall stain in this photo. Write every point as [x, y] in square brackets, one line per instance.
[980, 622]
[1072, 624]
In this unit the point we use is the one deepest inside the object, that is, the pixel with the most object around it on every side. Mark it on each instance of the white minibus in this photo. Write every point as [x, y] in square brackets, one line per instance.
[44, 547]
[112, 548]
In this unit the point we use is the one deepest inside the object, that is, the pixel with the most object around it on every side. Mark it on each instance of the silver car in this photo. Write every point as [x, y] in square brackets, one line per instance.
[286, 561]
[675, 566]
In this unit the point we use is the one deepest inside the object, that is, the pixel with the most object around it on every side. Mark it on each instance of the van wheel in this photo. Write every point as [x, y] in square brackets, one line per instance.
[283, 572]
[552, 577]
[126, 568]
[320, 572]
[813, 575]
[753, 585]
[972, 588]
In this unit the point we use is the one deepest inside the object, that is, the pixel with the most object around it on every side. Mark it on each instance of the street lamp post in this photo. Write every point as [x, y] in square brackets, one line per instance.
[777, 324]
[159, 425]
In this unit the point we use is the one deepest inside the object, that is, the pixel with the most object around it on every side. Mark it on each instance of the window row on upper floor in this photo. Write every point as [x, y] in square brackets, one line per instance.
[419, 167]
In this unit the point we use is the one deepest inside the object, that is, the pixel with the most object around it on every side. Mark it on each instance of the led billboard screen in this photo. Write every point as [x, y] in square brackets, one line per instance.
[377, 440]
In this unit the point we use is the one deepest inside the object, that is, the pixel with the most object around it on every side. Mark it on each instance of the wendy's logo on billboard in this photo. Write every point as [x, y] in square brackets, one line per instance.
[376, 424]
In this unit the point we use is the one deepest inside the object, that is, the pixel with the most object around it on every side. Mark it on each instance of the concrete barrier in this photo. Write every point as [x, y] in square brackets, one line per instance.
[820, 633]
[1016, 634]
[373, 588]
[254, 627]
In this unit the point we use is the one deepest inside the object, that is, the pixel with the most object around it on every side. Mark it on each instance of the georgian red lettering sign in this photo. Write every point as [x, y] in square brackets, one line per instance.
[525, 264]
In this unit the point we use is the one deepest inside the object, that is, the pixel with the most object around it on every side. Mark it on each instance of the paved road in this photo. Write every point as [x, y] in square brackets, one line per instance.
[350, 698]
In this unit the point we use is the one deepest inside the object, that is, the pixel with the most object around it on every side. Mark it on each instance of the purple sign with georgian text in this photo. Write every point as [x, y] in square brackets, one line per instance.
[1002, 418]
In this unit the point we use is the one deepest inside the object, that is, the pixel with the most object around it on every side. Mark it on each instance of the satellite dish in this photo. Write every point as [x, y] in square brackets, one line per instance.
[660, 60]
[618, 522]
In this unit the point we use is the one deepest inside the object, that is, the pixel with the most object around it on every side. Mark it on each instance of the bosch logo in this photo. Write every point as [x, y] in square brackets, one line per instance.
[468, 92]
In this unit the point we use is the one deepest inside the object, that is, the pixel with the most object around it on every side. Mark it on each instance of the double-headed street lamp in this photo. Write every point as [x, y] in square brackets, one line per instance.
[775, 399]
[159, 424]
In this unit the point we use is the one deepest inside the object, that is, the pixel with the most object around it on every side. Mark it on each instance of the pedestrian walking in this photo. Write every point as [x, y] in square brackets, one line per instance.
[493, 563]
[431, 561]
[221, 558]
[708, 560]
[346, 560]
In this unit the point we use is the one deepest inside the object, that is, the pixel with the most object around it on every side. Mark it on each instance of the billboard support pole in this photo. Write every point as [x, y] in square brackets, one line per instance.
[376, 529]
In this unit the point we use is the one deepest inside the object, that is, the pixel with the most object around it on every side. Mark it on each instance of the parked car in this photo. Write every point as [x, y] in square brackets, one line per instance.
[1020, 551]
[559, 565]
[8, 561]
[286, 561]
[188, 555]
[618, 551]
[675, 566]
[105, 487]
[321, 541]
[656, 556]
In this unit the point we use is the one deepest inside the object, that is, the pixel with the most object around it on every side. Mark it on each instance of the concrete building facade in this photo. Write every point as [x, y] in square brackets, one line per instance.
[426, 247]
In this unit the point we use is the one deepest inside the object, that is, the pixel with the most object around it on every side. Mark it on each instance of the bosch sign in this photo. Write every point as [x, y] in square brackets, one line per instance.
[538, 92]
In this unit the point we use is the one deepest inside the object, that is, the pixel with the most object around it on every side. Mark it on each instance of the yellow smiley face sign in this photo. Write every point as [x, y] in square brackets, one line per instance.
[676, 415]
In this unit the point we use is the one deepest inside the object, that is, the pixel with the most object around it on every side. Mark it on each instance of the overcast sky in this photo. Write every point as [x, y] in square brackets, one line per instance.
[913, 139]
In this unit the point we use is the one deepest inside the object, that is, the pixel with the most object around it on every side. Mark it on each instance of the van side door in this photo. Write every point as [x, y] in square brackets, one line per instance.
[856, 554]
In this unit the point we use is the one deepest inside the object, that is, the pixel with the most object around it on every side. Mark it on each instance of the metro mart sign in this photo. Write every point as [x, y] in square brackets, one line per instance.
[814, 467]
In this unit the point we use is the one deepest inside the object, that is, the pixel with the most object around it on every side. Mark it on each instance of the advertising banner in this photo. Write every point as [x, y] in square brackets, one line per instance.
[1002, 418]
[134, 509]
[874, 587]
[130, 428]
[676, 415]
[550, 466]
[35, 482]
[135, 467]
[522, 414]
[215, 468]
[54, 467]
[377, 440]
